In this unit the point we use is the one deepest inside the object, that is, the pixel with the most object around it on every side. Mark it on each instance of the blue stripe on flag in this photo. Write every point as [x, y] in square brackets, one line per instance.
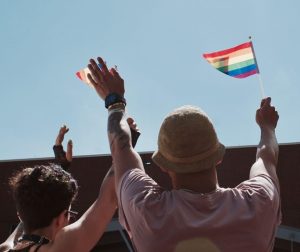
[242, 70]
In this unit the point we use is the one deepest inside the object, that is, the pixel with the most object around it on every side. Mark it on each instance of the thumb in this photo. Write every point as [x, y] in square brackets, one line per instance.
[69, 154]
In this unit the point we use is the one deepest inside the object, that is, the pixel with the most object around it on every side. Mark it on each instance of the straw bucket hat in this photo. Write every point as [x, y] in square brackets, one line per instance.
[187, 142]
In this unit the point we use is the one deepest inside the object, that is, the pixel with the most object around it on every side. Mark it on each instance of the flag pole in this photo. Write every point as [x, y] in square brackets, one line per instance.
[261, 86]
[258, 72]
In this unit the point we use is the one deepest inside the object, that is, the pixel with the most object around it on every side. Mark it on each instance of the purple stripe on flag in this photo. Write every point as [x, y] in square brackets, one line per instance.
[244, 75]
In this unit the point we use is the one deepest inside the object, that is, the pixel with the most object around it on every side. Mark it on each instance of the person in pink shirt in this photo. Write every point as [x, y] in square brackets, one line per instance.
[197, 214]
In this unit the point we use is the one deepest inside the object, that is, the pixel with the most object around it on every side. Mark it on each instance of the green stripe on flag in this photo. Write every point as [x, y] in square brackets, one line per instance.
[245, 63]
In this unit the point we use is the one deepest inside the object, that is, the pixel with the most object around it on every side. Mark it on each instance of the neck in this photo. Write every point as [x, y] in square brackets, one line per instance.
[202, 182]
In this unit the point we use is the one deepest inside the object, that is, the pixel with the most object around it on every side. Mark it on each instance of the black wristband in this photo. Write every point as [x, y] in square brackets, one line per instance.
[114, 98]
[60, 157]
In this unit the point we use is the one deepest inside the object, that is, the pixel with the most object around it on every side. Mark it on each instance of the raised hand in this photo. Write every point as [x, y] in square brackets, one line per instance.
[105, 81]
[266, 115]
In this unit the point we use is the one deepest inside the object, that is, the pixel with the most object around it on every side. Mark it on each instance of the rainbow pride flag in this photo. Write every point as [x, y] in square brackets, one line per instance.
[238, 61]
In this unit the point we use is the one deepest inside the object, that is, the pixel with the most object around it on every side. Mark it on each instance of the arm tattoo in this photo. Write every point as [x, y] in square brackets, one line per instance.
[119, 135]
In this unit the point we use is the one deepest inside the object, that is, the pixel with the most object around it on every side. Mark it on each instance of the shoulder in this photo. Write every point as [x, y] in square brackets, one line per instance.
[262, 186]
[135, 177]
[138, 191]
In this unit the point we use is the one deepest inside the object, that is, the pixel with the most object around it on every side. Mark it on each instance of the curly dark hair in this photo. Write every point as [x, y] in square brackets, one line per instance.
[41, 193]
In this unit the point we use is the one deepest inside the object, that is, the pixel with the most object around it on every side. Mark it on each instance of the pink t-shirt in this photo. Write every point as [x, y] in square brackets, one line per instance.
[237, 219]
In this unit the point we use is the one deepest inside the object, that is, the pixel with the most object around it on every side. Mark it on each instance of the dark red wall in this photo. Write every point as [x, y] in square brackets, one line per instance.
[90, 171]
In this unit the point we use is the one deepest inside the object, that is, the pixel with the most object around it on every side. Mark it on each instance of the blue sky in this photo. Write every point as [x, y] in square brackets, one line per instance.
[157, 46]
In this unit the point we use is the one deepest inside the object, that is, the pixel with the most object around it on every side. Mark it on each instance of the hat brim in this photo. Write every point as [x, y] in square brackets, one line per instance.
[196, 166]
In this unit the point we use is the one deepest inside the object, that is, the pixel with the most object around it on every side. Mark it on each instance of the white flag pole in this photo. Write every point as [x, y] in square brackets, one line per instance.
[258, 73]
[261, 86]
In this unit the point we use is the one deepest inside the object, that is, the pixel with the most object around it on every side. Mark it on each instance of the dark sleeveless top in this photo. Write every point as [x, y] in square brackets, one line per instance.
[26, 249]
[31, 241]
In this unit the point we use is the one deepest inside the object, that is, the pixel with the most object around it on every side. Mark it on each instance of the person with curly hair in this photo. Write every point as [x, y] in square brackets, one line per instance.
[43, 196]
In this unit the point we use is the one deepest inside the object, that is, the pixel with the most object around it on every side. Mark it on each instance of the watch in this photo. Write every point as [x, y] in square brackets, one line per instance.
[113, 98]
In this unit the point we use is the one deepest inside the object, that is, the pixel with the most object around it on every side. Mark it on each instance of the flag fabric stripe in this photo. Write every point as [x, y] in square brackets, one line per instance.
[82, 75]
[244, 75]
[232, 60]
[79, 75]
[238, 61]
[236, 65]
[241, 70]
[233, 54]
[227, 51]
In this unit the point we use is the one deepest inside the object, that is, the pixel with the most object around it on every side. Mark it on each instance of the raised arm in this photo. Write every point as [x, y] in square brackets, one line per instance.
[110, 87]
[61, 157]
[84, 233]
[267, 150]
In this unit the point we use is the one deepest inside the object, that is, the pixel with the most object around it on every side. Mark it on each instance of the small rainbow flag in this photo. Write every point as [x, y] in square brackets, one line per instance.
[82, 75]
[238, 61]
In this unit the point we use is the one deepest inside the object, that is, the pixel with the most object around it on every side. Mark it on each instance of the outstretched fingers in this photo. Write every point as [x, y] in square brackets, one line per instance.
[96, 72]
[63, 130]
[115, 73]
[61, 134]
[103, 65]
[105, 81]
[94, 83]
[69, 154]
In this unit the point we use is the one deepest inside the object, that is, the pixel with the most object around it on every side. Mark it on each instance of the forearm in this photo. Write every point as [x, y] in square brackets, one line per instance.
[118, 131]
[266, 155]
[106, 202]
[83, 234]
[268, 147]
[119, 135]
[96, 219]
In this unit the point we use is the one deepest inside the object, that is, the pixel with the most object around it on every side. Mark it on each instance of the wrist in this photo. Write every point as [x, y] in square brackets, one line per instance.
[117, 107]
[267, 128]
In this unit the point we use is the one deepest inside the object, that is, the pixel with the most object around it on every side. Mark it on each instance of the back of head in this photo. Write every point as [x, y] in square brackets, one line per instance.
[187, 142]
[41, 193]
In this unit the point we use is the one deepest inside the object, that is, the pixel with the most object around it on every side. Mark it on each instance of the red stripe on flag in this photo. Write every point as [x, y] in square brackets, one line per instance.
[79, 75]
[227, 51]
